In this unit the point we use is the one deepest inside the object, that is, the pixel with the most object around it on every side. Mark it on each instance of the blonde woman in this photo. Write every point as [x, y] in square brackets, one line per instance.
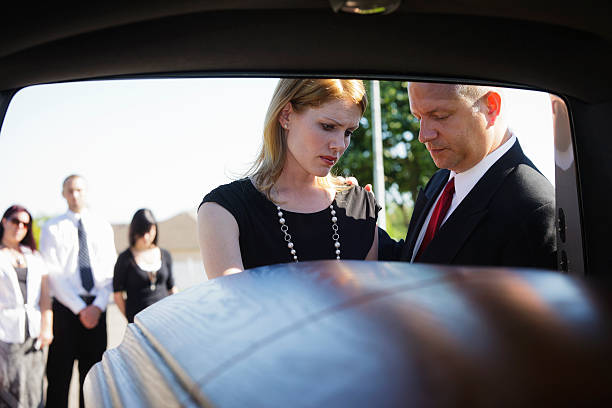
[290, 208]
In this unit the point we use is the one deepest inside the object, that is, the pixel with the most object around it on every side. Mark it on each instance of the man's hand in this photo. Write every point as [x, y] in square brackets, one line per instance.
[90, 316]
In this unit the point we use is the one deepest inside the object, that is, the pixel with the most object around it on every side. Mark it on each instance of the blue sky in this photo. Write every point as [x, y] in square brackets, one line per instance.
[163, 144]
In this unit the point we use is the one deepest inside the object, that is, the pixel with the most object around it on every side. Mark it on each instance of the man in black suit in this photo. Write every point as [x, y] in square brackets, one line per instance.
[488, 204]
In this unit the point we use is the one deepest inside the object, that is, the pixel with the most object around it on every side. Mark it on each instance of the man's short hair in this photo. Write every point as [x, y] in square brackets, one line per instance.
[470, 92]
[70, 177]
[473, 92]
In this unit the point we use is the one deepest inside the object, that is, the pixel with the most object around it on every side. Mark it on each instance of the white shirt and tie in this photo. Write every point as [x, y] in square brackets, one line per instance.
[59, 245]
[464, 183]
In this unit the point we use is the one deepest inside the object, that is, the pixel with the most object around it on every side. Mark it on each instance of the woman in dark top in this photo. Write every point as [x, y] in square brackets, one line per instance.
[143, 272]
[290, 208]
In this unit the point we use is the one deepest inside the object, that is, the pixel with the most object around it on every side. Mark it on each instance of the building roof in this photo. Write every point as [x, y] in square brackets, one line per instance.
[176, 234]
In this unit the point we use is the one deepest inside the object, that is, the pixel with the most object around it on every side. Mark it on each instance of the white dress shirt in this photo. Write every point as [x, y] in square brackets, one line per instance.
[59, 245]
[13, 308]
[464, 183]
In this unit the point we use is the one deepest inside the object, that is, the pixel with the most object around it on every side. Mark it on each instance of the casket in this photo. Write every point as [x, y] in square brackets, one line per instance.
[366, 334]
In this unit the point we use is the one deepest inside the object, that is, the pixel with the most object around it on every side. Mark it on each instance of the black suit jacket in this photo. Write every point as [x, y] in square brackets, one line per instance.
[508, 219]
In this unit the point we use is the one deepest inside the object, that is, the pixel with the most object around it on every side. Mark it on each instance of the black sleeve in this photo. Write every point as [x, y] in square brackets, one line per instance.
[534, 244]
[532, 240]
[231, 197]
[167, 258]
[388, 248]
[120, 274]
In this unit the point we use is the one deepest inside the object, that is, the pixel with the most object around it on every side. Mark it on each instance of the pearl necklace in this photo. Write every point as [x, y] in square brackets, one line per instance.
[285, 229]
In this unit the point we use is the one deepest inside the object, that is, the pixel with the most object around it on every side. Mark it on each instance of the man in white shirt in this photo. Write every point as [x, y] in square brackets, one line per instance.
[79, 251]
[488, 204]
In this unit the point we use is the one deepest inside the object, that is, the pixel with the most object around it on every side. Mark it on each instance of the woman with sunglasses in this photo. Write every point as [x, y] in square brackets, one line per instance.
[26, 319]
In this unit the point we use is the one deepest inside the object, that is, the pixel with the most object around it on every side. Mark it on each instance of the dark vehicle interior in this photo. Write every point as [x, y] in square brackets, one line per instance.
[560, 47]
[548, 46]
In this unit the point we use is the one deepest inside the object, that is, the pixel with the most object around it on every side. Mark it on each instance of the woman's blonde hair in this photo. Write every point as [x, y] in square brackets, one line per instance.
[301, 93]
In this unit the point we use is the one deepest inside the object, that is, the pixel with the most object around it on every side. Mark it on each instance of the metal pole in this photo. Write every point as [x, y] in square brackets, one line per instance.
[379, 171]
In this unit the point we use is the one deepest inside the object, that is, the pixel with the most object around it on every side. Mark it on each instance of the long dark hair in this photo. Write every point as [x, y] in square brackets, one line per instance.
[142, 221]
[28, 240]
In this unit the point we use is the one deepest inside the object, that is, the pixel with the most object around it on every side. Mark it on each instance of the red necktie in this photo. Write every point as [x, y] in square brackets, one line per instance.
[437, 216]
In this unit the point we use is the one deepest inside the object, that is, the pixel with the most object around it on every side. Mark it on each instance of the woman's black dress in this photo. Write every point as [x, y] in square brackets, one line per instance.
[135, 282]
[262, 241]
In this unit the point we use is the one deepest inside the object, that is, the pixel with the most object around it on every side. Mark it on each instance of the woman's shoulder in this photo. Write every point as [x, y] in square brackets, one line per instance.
[236, 185]
[165, 254]
[5, 260]
[34, 259]
[124, 256]
[240, 198]
[31, 253]
[236, 190]
[27, 250]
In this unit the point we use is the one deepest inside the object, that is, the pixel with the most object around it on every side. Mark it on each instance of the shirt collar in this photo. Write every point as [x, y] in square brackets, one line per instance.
[465, 181]
[75, 217]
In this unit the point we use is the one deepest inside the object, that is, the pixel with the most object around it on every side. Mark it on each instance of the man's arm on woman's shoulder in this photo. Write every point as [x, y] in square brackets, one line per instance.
[388, 248]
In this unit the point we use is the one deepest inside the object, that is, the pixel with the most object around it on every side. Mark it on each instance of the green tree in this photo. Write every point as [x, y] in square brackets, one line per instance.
[407, 163]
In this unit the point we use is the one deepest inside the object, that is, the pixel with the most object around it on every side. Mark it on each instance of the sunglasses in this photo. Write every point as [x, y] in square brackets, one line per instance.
[16, 222]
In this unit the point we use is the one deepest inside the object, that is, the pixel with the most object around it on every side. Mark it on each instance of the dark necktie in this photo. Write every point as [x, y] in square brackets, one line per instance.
[84, 264]
[437, 216]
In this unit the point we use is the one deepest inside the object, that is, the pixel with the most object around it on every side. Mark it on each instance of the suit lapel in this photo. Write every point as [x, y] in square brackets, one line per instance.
[425, 199]
[453, 234]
